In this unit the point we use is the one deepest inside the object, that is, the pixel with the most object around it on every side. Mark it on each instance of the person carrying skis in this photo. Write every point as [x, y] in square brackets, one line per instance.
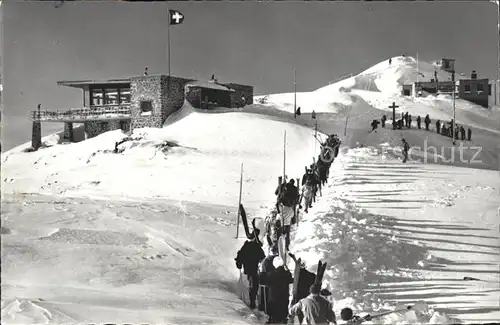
[307, 191]
[427, 122]
[289, 199]
[315, 308]
[270, 226]
[249, 257]
[266, 268]
[278, 282]
[406, 148]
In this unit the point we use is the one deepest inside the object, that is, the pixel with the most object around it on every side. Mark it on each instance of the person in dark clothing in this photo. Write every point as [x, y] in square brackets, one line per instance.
[374, 125]
[406, 148]
[456, 132]
[249, 257]
[278, 282]
[438, 126]
[419, 120]
[266, 268]
[278, 192]
[383, 120]
[427, 122]
[406, 119]
[409, 122]
[462, 132]
[390, 61]
[469, 134]
[315, 308]
[289, 199]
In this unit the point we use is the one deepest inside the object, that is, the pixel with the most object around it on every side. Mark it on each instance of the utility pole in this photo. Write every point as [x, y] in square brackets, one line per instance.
[454, 122]
[294, 93]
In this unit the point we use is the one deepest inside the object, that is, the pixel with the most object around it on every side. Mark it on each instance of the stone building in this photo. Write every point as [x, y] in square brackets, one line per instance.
[142, 101]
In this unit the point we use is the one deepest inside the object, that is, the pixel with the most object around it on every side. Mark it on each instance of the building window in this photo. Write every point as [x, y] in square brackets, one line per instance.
[124, 95]
[97, 97]
[489, 89]
[110, 96]
[146, 106]
[467, 88]
[480, 88]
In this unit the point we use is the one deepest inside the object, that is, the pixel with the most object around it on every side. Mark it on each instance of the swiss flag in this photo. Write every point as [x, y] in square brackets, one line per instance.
[176, 17]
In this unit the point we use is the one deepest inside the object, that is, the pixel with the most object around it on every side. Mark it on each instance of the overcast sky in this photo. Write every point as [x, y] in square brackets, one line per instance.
[255, 43]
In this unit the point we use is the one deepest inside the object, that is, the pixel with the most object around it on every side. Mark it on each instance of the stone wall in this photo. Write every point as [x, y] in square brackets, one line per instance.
[166, 95]
[193, 96]
[172, 94]
[240, 91]
[94, 128]
[36, 135]
[146, 88]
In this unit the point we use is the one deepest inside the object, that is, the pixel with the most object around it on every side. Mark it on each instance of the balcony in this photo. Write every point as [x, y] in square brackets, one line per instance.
[81, 115]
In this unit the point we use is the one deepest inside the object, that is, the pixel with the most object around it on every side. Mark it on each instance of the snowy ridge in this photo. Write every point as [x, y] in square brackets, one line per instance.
[147, 235]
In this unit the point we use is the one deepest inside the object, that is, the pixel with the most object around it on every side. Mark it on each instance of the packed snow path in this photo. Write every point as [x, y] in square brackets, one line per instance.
[395, 232]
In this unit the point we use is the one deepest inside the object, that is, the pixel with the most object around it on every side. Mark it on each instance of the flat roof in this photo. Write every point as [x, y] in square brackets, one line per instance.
[208, 85]
[83, 83]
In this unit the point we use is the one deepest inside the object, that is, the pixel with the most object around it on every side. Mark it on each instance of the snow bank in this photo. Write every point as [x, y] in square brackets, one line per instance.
[197, 157]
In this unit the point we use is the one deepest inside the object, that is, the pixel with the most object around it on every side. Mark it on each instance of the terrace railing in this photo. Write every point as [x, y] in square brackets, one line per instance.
[91, 113]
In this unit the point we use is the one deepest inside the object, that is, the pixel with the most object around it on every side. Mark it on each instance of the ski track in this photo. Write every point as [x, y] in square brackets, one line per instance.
[423, 203]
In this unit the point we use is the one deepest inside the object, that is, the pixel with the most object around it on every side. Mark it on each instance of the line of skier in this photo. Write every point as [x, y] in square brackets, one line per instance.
[268, 276]
[443, 128]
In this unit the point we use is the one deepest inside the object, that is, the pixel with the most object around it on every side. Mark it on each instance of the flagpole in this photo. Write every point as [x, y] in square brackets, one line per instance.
[497, 92]
[168, 46]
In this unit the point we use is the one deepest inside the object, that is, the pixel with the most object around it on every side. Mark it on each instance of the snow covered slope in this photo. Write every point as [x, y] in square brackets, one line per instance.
[159, 248]
[398, 233]
[201, 164]
[379, 86]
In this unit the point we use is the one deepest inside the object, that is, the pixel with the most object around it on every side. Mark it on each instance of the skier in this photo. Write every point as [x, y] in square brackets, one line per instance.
[307, 191]
[249, 257]
[315, 308]
[288, 199]
[390, 61]
[278, 192]
[469, 134]
[462, 132]
[427, 122]
[278, 282]
[406, 148]
[419, 120]
[270, 225]
[266, 268]
[438, 126]
[346, 314]
[374, 125]
[384, 118]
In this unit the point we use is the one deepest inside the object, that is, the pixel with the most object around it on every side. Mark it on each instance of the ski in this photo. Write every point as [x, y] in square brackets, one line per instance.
[295, 289]
[320, 272]
[244, 220]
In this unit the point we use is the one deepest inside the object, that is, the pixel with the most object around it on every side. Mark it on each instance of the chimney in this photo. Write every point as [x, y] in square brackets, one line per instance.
[473, 75]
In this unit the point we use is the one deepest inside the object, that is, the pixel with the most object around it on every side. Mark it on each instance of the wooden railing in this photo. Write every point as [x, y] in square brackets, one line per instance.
[94, 112]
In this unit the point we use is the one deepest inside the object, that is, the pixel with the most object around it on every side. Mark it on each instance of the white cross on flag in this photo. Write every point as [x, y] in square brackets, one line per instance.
[176, 17]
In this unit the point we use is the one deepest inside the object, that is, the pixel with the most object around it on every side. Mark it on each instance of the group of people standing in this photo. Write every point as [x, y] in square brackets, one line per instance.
[442, 128]
[268, 276]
